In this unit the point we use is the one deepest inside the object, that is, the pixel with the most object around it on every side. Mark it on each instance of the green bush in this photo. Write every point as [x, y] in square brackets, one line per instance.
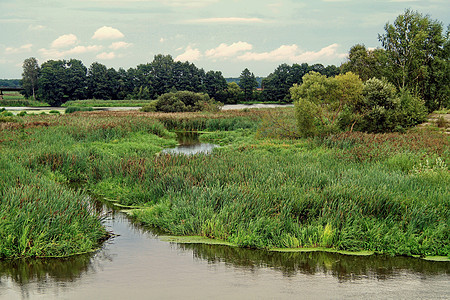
[151, 107]
[185, 101]
[383, 109]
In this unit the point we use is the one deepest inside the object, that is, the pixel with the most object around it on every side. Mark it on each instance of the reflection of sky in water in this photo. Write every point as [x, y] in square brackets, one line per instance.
[191, 149]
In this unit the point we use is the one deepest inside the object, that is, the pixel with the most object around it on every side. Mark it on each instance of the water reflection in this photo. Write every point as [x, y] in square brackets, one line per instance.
[189, 144]
[23, 271]
[135, 258]
[344, 267]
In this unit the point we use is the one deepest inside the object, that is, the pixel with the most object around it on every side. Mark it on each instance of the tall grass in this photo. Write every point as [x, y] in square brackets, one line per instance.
[349, 192]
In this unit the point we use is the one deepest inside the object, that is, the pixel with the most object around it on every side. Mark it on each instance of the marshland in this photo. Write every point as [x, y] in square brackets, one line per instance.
[121, 183]
[350, 193]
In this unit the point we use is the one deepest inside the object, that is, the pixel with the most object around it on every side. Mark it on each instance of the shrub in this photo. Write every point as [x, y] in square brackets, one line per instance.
[383, 109]
[151, 107]
[185, 101]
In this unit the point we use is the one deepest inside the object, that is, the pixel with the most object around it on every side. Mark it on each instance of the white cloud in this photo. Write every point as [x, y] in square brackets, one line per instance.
[106, 55]
[65, 40]
[21, 49]
[189, 3]
[227, 20]
[36, 27]
[179, 3]
[284, 52]
[226, 51]
[55, 53]
[189, 55]
[107, 33]
[119, 45]
[83, 49]
[292, 53]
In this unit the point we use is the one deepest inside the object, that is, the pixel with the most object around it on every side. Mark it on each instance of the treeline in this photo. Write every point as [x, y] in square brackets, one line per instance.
[58, 81]
[14, 83]
[380, 90]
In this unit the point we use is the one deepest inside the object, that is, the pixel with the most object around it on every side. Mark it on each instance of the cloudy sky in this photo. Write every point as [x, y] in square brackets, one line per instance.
[228, 36]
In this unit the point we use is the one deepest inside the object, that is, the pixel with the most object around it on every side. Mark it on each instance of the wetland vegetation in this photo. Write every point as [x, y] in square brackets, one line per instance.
[386, 193]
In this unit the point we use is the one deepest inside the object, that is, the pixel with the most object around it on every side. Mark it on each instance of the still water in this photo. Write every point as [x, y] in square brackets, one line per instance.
[189, 144]
[135, 264]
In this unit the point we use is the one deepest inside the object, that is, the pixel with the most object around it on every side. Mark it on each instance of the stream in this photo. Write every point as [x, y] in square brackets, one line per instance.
[135, 264]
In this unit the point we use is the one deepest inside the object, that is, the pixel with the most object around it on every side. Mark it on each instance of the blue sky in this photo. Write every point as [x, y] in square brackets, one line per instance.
[227, 36]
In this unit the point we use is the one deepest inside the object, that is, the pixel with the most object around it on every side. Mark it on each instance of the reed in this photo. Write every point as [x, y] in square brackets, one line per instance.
[383, 193]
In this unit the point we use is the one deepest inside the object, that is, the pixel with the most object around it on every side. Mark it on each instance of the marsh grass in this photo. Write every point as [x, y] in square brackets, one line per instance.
[348, 192]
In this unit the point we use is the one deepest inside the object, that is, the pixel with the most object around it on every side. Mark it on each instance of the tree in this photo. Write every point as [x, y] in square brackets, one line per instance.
[215, 84]
[365, 63]
[383, 109]
[248, 83]
[98, 81]
[75, 79]
[415, 51]
[30, 76]
[52, 82]
[319, 101]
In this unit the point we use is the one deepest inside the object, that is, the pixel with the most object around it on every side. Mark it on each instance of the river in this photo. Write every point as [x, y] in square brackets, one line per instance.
[136, 264]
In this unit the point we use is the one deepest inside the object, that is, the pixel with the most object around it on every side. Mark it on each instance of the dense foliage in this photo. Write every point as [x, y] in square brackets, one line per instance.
[182, 101]
[276, 86]
[415, 58]
[61, 81]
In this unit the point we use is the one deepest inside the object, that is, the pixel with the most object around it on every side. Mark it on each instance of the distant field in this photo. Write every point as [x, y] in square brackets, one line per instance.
[106, 103]
[17, 99]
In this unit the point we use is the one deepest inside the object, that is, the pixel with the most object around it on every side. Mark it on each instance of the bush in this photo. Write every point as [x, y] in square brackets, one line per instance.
[383, 109]
[185, 101]
[151, 107]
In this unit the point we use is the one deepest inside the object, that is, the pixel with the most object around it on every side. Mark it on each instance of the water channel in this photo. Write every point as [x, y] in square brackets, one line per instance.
[136, 264]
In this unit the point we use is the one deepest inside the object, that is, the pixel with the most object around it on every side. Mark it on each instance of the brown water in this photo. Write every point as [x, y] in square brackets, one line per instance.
[137, 265]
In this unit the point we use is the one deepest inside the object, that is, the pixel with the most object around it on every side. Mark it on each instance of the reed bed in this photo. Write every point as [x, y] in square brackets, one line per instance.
[382, 193]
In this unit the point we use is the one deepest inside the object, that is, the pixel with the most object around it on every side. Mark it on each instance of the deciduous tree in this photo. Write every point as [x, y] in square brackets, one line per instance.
[30, 76]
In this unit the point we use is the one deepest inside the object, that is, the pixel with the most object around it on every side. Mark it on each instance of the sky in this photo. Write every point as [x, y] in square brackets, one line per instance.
[226, 36]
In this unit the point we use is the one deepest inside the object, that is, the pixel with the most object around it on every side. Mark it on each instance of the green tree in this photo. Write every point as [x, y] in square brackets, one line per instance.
[320, 100]
[30, 76]
[232, 95]
[248, 83]
[52, 83]
[215, 84]
[75, 79]
[414, 45]
[383, 109]
[365, 63]
[98, 81]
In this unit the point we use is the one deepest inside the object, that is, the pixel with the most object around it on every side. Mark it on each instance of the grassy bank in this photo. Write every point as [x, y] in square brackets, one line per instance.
[262, 189]
[106, 103]
[17, 99]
